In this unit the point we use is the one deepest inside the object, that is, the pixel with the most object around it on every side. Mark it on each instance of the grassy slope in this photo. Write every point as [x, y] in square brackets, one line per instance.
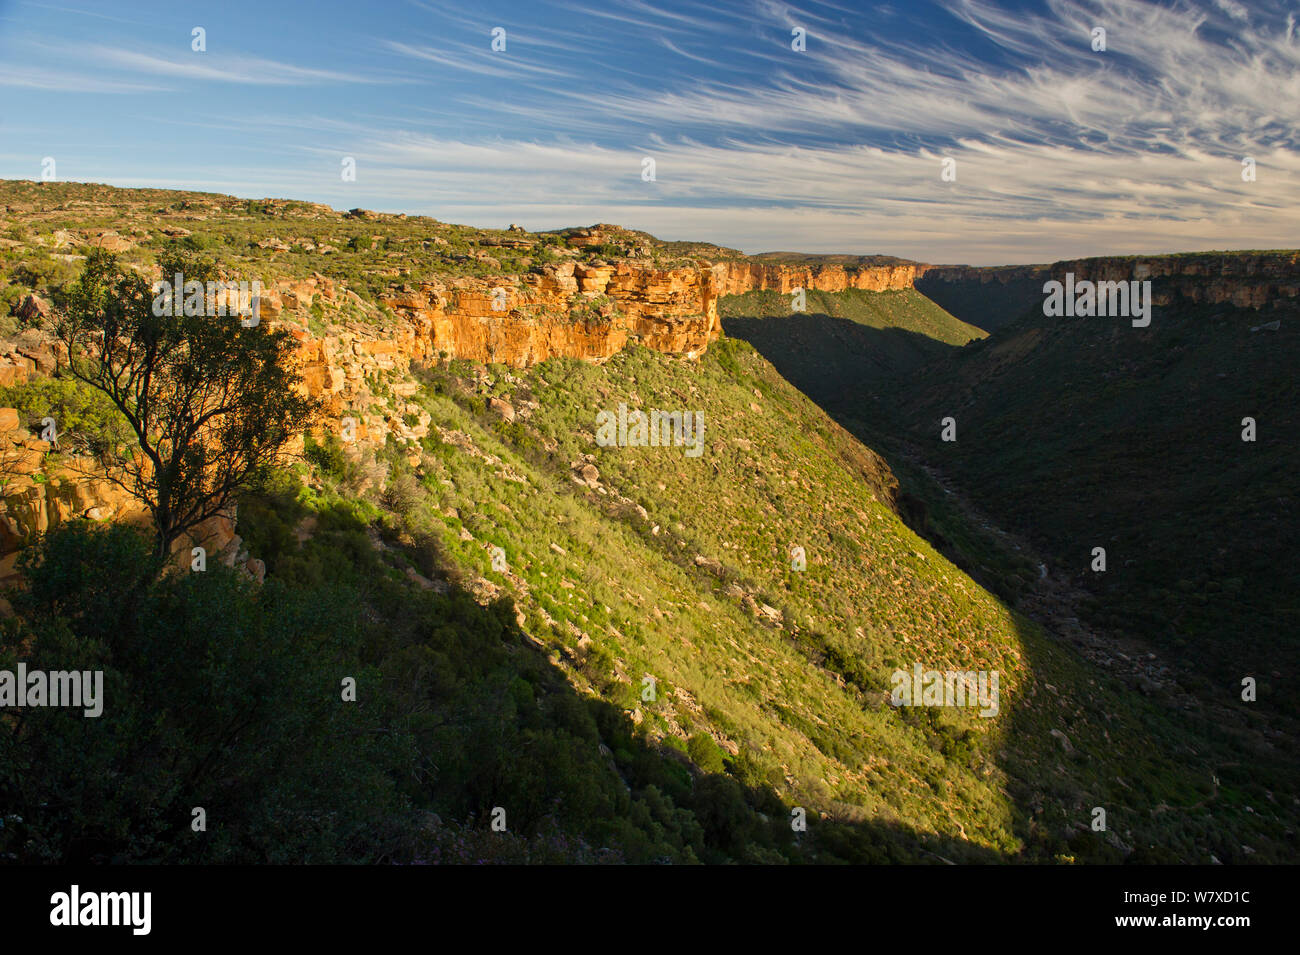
[845, 343]
[800, 708]
[719, 669]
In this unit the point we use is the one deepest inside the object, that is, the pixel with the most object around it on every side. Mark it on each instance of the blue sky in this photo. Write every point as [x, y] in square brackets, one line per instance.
[1058, 150]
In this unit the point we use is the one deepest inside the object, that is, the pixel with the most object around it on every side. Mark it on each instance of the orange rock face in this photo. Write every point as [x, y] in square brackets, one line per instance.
[36, 497]
[573, 310]
[591, 311]
[743, 277]
[1241, 279]
[1247, 281]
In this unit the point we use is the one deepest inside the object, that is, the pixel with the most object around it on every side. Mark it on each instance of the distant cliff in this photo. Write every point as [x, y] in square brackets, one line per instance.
[985, 297]
[1245, 279]
[747, 275]
[992, 296]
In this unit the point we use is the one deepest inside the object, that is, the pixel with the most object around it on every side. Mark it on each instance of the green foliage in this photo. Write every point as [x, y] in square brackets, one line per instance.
[40, 272]
[327, 455]
[212, 403]
[85, 419]
[523, 690]
[704, 752]
[200, 243]
[215, 695]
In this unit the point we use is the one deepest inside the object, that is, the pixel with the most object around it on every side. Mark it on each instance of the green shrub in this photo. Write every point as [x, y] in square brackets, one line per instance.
[85, 419]
[705, 753]
[328, 456]
[216, 694]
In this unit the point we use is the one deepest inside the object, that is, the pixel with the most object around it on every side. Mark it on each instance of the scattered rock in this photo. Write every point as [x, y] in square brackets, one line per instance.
[112, 242]
[504, 409]
[256, 569]
[33, 309]
[1064, 740]
[712, 566]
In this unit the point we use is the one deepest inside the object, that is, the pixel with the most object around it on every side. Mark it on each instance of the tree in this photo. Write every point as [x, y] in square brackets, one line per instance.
[212, 404]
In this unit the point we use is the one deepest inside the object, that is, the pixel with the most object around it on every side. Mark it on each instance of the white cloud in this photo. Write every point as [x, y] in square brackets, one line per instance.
[1037, 202]
[234, 68]
[461, 59]
[1233, 9]
[1060, 151]
[63, 81]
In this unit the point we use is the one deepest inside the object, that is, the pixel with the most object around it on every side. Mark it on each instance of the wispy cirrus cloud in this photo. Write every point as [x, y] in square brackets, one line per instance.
[133, 69]
[1059, 149]
[462, 59]
[235, 68]
[64, 81]
[1162, 75]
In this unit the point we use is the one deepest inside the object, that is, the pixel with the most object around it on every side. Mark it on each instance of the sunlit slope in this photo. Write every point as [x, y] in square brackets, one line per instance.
[664, 567]
[843, 344]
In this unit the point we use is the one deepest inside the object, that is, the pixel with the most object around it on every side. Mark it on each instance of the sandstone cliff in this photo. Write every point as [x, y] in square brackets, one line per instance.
[745, 276]
[577, 310]
[39, 492]
[1245, 279]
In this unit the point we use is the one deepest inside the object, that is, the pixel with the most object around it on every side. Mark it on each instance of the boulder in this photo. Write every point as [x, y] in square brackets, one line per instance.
[112, 242]
[256, 569]
[1063, 740]
[33, 309]
[505, 410]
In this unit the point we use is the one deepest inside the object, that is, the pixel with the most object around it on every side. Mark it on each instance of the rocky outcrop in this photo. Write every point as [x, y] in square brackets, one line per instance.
[38, 493]
[589, 311]
[592, 310]
[1245, 279]
[745, 276]
[33, 354]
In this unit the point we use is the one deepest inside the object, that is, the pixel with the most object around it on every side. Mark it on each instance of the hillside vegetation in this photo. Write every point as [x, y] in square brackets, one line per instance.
[1090, 433]
[775, 681]
[568, 651]
[46, 229]
[844, 344]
